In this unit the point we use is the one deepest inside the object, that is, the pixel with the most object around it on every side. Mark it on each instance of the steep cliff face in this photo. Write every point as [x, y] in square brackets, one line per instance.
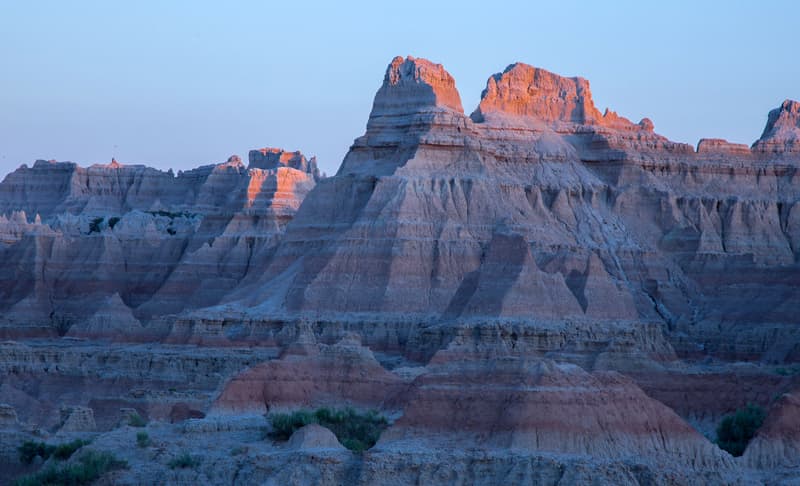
[526, 91]
[782, 133]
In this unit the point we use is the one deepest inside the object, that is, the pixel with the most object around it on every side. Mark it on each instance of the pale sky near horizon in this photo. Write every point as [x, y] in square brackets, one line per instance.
[177, 84]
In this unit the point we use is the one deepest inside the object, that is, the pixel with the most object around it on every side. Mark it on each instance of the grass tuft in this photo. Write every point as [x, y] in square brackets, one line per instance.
[184, 461]
[87, 469]
[142, 439]
[136, 420]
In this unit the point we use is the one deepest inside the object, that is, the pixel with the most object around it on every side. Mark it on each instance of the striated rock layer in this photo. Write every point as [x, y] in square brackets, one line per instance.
[97, 251]
[539, 291]
[475, 396]
[536, 208]
[540, 209]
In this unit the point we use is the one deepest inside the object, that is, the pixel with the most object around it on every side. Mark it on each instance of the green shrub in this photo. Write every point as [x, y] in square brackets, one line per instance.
[113, 221]
[142, 439]
[355, 430]
[136, 420]
[184, 461]
[30, 449]
[788, 371]
[171, 214]
[64, 451]
[86, 470]
[94, 225]
[284, 424]
[735, 431]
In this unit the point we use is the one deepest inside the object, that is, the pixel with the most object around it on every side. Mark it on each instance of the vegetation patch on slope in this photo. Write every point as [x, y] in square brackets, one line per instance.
[29, 450]
[87, 469]
[358, 431]
[735, 431]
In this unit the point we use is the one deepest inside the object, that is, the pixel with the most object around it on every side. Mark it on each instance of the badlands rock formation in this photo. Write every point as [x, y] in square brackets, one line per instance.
[96, 251]
[782, 134]
[538, 208]
[308, 375]
[536, 292]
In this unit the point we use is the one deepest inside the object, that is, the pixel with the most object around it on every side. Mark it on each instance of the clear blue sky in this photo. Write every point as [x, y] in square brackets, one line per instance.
[179, 84]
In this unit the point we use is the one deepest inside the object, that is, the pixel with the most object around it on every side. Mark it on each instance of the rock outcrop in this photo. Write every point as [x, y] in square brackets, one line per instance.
[777, 443]
[77, 419]
[718, 146]
[477, 394]
[415, 85]
[270, 158]
[782, 133]
[313, 437]
[526, 91]
[100, 251]
[308, 375]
